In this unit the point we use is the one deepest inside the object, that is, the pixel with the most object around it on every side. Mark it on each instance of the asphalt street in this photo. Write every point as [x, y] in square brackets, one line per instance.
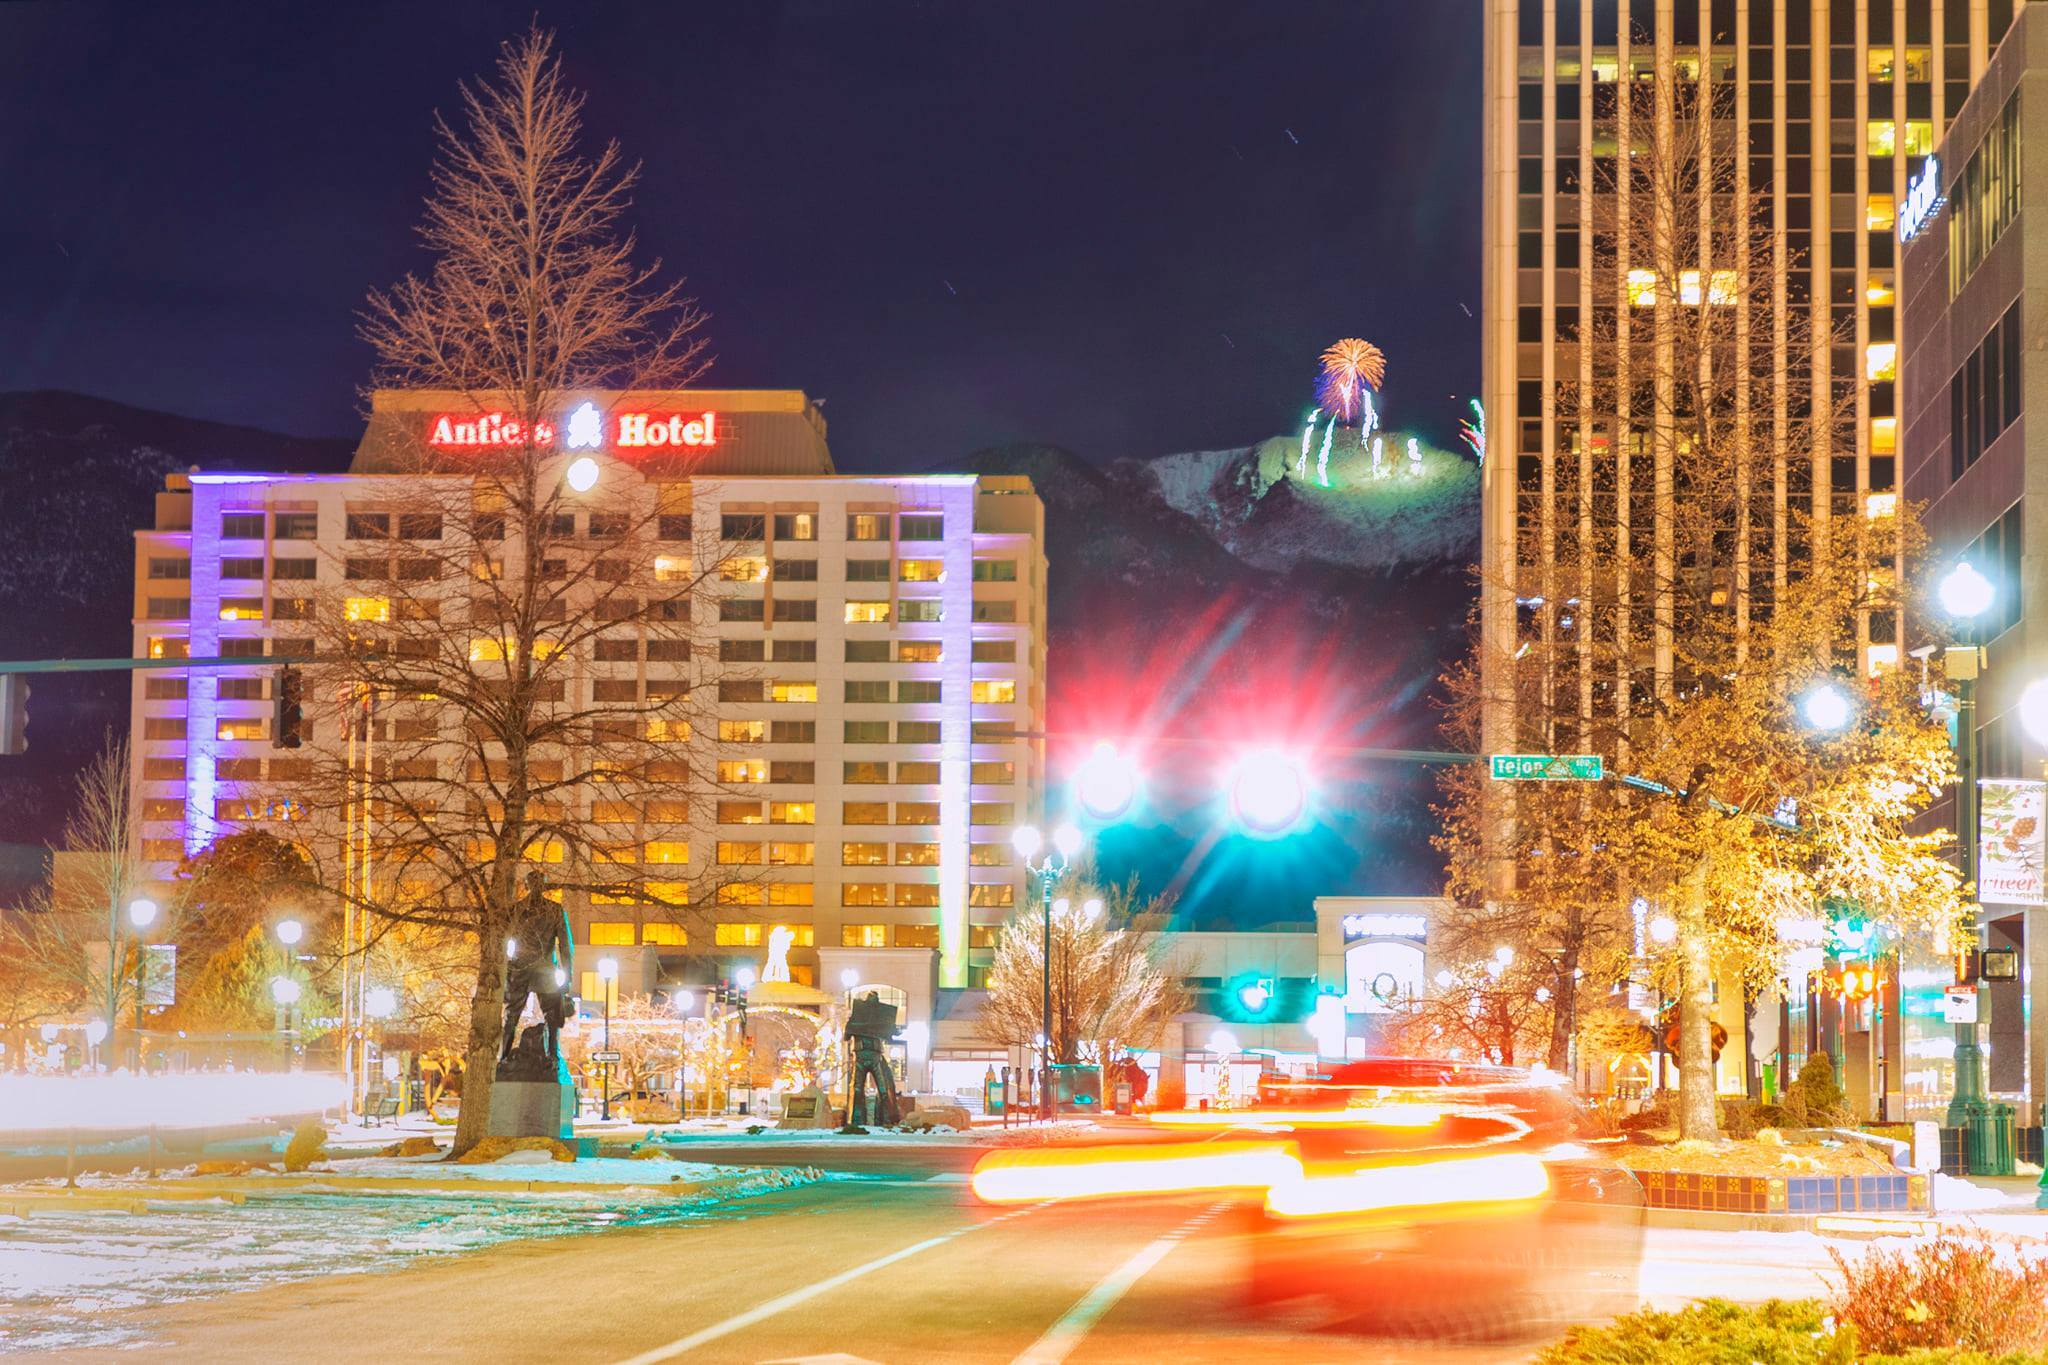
[897, 1267]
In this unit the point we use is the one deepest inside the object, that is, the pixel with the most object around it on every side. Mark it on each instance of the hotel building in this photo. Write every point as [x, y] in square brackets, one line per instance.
[874, 699]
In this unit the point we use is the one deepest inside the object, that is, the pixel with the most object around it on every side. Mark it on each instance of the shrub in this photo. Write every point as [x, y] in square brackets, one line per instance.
[1816, 1099]
[1949, 1291]
[1715, 1332]
[308, 1145]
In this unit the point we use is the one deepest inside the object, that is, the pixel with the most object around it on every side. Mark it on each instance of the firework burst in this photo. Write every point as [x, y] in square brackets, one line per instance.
[1350, 368]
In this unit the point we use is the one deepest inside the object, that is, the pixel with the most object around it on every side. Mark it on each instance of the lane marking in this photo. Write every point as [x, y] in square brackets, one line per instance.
[1063, 1336]
[782, 1303]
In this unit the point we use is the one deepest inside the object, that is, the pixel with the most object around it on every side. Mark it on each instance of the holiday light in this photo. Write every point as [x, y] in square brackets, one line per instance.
[1350, 367]
[1414, 456]
[1307, 434]
[1473, 431]
[1323, 455]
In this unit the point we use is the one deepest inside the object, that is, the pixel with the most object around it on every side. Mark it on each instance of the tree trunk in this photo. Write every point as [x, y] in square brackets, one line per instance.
[1564, 1019]
[480, 1057]
[1695, 1022]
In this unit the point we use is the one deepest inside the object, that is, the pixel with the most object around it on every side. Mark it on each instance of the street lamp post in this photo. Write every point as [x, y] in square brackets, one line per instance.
[1066, 842]
[1966, 594]
[607, 973]
[141, 914]
[284, 994]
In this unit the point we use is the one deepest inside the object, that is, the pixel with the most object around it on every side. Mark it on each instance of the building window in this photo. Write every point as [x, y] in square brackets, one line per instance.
[169, 647]
[1984, 393]
[749, 651]
[1996, 554]
[742, 526]
[796, 609]
[742, 731]
[995, 571]
[917, 732]
[982, 896]
[169, 609]
[864, 893]
[793, 691]
[796, 526]
[917, 812]
[727, 934]
[917, 895]
[861, 773]
[611, 933]
[863, 935]
[241, 689]
[867, 732]
[744, 569]
[995, 691]
[854, 812]
[793, 732]
[919, 651]
[241, 526]
[239, 727]
[921, 613]
[989, 855]
[242, 567]
[917, 690]
[1985, 197]
[867, 526]
[917, 855]
[863, 855]
[867, 613]
[164, 689]
[796, 570]
[922, 571]
[915, 935]
[177, 570]
[741, 609]
[1002, 609]
[866, 691]
[918, 773]
[163, 727]
[791, 854]
[673, 569]
[743, 770]
[788, 770]
[991, 813]
[995, 651]
[867, 651]
[663, 935]
[994, 774]
[667, 852]
[792, 813]
[740, 813]
[921, 526]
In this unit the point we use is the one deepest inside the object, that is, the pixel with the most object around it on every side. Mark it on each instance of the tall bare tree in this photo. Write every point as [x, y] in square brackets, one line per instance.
[1688, 578]
[475, 721]
[1113, 991]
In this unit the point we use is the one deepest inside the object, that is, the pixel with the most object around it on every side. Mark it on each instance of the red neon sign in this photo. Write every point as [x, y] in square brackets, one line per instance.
[630, 431]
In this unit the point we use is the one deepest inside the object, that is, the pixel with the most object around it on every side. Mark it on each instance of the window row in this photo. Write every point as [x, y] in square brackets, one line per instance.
[857, 773]
[1984, 393]
[868, 526]
[362, 524]
[853, 854]
[758, 569]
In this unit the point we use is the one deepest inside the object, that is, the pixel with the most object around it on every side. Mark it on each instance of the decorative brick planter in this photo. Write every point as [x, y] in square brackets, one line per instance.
[1797, 1194]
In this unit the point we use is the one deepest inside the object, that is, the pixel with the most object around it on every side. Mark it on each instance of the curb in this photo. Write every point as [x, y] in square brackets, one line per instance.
[26, 1203]
[320, 1183]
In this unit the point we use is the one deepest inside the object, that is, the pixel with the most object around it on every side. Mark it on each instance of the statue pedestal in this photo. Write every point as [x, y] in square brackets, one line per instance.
[531, 1093]
[532, 1109]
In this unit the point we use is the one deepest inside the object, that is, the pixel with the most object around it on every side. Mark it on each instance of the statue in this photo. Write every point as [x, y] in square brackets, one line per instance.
[871, 1025]
[779, 940]
[540, 953]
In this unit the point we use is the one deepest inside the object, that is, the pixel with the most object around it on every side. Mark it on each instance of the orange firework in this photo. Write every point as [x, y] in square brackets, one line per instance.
[1349, 368]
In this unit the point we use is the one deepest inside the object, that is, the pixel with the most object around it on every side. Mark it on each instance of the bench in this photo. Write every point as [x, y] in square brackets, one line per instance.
[377, 1108]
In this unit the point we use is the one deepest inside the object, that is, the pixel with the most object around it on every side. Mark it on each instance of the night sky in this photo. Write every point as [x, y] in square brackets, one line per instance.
[1126, 229]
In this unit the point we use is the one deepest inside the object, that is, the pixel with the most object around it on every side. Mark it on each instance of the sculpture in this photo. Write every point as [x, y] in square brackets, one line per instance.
[779, 940]
[539, 955]
[869, 1027]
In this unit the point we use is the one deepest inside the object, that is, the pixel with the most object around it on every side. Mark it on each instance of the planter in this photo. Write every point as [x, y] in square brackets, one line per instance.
[1880, 1193]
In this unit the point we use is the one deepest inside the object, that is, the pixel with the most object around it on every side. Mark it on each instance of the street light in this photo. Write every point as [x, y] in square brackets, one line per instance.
[582, 474]
[380, 1002]
[607, 973]
[1106, 783]
[1048, 870]
[289, 932]
[284, 990]
[1965, 595]
[142, 912]
[1826, 707]
[1268, 792]
[849, 978]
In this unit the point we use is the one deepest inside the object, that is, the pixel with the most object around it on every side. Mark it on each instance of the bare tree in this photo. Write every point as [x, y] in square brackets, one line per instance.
[1112, 993]
[473, 722]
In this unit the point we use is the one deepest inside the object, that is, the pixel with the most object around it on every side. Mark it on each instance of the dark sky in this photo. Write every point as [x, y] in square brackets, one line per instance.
[1124, 228]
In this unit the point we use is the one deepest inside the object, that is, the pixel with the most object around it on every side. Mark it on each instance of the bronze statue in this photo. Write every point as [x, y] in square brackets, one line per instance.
[540, 954]
[869, 1027]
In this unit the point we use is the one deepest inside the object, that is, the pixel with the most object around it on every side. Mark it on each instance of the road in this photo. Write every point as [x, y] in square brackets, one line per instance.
[901, 1267]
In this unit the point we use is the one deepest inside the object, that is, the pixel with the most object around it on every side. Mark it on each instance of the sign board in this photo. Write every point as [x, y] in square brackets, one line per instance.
[2010, 842]
[584, 427]
[160, 975]
[1383, 925]
[1923, 200]
[604, 1057]
[1959, 1005]
[1548, 768]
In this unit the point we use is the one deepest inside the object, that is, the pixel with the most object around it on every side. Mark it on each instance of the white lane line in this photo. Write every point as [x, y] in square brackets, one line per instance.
[1063, 1336]
[782, 1303]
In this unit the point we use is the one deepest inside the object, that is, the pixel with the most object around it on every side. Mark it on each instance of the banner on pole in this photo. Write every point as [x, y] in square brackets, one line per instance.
[2010, 842]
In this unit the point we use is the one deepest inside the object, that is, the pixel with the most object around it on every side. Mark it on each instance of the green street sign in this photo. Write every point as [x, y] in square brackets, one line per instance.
[1548, 768]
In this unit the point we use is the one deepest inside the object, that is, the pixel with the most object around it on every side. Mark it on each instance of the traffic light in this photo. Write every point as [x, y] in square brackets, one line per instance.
[1253, 995]
[287, 721]
[1859, 980]
[13, 713]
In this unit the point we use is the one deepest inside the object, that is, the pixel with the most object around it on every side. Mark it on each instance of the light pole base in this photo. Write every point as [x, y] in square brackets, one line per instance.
[1969, 1065]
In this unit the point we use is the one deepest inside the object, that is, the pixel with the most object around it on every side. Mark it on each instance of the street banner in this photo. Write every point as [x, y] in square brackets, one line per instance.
[2010, 847]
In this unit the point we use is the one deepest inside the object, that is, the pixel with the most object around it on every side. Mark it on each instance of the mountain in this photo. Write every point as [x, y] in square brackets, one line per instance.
[1208, 602]
[78, 476]
[1201, 602]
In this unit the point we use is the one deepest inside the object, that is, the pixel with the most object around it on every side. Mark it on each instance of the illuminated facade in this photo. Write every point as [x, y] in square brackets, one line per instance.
[1970, 282]
[878, 675]
[1832, 107]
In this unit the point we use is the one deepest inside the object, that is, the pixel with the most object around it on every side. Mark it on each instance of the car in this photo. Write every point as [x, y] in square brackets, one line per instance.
[1444, 1199]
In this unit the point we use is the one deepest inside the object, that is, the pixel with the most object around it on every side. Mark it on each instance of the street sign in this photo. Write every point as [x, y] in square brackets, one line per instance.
[1959, 1006]
[1548, 768]
[604, 1057]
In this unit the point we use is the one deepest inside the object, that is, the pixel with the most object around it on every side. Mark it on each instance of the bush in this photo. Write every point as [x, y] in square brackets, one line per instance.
[308, 1145]
[1950, 1291]
[1816, 1099]
[1715, 1332]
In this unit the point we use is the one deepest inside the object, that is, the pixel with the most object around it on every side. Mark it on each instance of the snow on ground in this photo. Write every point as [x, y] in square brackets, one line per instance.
[542, 1169]
[62, 1275]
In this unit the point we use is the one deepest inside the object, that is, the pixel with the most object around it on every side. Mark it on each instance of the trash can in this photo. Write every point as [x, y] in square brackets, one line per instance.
[1991, 1139]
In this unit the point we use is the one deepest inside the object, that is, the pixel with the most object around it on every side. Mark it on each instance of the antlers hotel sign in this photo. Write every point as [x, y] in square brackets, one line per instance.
[585, 427]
